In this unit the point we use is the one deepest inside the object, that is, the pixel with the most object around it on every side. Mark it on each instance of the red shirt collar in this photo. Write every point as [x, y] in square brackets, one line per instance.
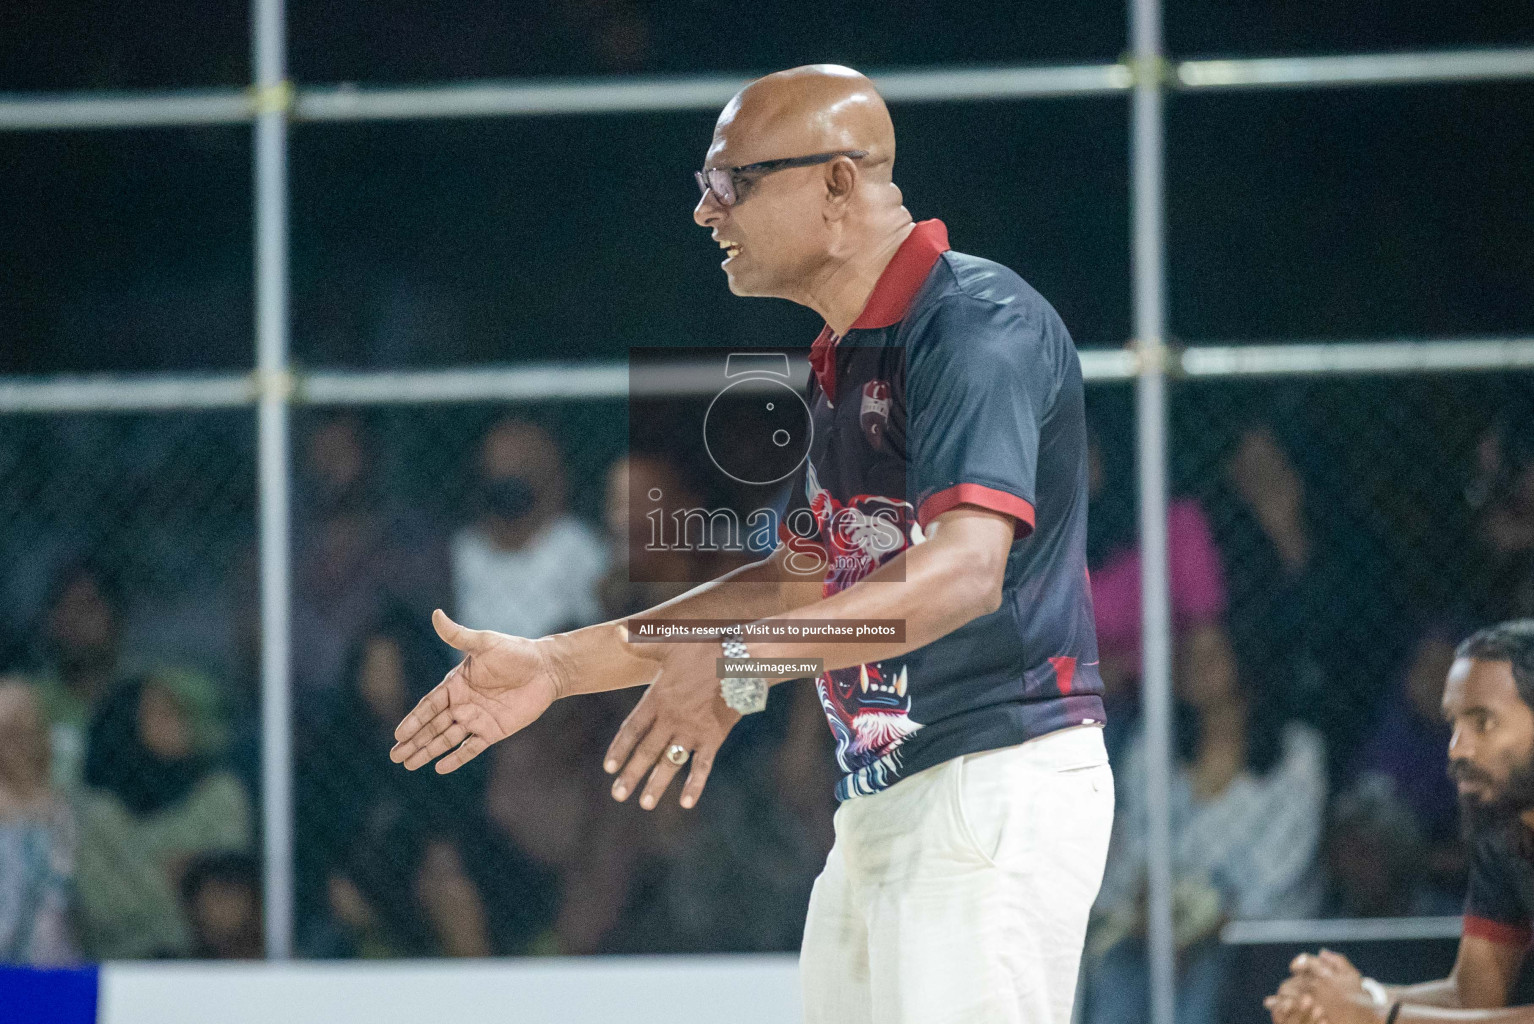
[887, 304]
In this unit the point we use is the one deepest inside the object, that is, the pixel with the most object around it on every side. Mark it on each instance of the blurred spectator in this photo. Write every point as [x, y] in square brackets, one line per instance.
[1248, 792]
[37, 838]
[1406, 759]
[1503, 497]
[644, 573]
[770, 822]
[1197, 579]
[157, 795]
[668, 880]
[399, 863]
[548, 796]
[526, 566]
[1311, 585]
[1377, 858]
[353, 553]
[80, 635]
[221, 897]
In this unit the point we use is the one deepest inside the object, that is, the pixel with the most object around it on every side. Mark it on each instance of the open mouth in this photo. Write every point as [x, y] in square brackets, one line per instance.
[731, 249]
[875, 688]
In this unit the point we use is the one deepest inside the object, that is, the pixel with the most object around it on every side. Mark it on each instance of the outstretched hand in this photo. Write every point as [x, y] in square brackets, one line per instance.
[502, 685]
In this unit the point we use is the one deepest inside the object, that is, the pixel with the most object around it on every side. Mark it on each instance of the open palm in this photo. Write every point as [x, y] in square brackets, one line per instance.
[502, 685]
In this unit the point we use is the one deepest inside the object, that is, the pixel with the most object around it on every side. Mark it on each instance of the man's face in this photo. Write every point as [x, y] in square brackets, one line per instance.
[1491, 752]
[776, 228]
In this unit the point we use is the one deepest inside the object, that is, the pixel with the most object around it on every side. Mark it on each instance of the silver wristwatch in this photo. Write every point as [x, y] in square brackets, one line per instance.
[745, 694]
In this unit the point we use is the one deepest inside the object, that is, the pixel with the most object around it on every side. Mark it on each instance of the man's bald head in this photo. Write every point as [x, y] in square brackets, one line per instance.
[791, 227]
[817, 108]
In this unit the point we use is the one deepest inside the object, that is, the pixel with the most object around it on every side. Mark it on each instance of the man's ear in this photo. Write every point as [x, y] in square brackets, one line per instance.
[841, 179]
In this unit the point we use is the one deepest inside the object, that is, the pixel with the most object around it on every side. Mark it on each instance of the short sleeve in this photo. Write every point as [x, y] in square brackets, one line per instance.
[1493, 908]
[981, 377]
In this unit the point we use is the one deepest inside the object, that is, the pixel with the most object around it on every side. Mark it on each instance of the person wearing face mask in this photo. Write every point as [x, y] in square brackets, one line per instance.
[525, 566]
[156, 797]
[37, 838]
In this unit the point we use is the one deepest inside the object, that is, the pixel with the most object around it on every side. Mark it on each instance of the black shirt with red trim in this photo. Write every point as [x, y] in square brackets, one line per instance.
[957, 385]
[1499, 905]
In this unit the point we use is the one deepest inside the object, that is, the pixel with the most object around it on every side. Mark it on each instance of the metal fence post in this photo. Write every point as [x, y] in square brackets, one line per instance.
[1148, 190]
[273, 99]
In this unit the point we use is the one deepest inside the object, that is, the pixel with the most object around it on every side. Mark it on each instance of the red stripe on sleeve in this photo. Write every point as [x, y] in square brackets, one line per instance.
[985, 497]
[1497, 931]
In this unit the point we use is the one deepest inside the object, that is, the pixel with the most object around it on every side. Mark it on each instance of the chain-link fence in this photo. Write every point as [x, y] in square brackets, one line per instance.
[132, 658]
[1331, 540]
[129, 633]
[1329, 543]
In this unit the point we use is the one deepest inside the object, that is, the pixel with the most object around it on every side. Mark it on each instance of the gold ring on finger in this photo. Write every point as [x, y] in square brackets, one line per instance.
[677, 754]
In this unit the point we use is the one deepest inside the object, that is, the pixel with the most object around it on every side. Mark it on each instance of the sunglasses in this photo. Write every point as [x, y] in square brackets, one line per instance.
[722, 180]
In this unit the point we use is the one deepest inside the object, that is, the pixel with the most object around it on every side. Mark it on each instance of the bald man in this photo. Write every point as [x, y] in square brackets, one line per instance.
[946, 487]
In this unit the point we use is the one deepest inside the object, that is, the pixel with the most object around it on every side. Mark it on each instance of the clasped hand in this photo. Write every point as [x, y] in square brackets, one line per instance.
[1322, 988]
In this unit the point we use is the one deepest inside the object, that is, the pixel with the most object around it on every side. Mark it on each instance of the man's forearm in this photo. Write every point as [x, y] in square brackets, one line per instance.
[601, 657]
[1443, 992]
[762, 588]
[934, 588]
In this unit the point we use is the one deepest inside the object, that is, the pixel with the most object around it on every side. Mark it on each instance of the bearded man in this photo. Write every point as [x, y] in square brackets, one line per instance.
[1489, 701]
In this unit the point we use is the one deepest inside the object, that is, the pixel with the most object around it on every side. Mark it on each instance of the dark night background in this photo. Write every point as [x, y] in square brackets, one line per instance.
[1328, 214]
[1358, 214]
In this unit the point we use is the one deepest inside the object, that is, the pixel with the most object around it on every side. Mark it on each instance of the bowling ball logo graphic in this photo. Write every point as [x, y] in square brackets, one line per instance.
[757, 429]
[874, 413]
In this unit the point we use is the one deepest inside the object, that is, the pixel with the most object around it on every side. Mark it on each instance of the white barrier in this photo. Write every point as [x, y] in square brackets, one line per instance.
[757, 989]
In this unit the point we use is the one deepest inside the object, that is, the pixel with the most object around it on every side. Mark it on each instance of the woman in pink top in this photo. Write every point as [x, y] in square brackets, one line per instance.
[1197, 576]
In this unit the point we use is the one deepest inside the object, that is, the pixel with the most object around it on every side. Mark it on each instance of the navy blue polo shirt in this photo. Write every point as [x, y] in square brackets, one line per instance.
[956, 385]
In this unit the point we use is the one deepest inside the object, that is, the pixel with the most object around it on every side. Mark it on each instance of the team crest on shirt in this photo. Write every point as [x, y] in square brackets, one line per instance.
[874, 412]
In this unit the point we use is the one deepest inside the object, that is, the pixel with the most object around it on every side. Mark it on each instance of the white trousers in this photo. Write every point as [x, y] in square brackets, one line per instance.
[961, 894]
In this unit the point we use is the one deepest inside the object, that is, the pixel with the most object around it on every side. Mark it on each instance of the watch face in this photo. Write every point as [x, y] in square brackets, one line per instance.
[745, 695]
[757, 430]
